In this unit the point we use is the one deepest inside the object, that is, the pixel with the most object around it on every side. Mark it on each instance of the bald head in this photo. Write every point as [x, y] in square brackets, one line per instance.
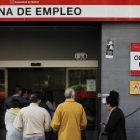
[69, 93]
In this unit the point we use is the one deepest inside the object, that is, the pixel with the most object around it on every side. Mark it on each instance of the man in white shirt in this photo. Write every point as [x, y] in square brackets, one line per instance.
[33, 121]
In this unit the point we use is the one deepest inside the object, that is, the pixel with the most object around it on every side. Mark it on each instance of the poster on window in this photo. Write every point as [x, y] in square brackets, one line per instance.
[91, 84]
[110, 48]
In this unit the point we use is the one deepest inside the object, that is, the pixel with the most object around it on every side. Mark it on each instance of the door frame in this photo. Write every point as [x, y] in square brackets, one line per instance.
[48, 63]
[6, 81]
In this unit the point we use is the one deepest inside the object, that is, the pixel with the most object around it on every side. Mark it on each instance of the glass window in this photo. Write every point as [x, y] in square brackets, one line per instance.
[83, 81]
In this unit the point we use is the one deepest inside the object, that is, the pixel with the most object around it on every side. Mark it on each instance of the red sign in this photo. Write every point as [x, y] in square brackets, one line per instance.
[135, 47]
[72, 10]
[135, 59]
[77, 94]
[86, 94]
[2, 94]
[69, 2]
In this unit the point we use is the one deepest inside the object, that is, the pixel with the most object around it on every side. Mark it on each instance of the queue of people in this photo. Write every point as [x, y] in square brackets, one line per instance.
[29, 118]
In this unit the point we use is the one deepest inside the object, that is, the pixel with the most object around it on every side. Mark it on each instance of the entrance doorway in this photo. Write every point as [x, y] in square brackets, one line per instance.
[39, 79]
[55, 80]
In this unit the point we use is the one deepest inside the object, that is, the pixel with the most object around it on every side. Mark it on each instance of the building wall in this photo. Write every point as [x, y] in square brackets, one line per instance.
[115, 73]
[52, 45]
[47, 45]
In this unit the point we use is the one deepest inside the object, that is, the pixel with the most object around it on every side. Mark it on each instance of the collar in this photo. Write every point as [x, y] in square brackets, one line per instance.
[14, 108]
[110, 114]
[70, 100]
[113, 108]
[33, 104]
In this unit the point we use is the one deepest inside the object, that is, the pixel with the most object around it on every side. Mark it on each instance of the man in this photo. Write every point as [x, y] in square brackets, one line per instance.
[48, 135]
[17, 95]
[69, 118]
[33, 121]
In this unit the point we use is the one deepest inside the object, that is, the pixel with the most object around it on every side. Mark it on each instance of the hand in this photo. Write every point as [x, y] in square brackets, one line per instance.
[102, 123]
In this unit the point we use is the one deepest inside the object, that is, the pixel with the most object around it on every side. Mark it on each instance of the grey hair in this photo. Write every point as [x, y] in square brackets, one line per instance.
[70, 94]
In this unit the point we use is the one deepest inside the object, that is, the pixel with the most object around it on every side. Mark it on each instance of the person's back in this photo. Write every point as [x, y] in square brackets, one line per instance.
[115, 123]
[34, 117]
[23, 101]
[117, 117]
[33, 120]
[17, 93]
[69, 119]
[48, 135]
[10, 115]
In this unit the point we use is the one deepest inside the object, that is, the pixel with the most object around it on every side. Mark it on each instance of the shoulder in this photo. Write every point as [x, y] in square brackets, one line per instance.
[75, 103]
[48, 103]
[16, 110]
[78, 105]
[61, 105]
[118, 111]
[21, 98]
[9, 98]
[38, 107]
[12, 111]
[24, 109]
[43, 110]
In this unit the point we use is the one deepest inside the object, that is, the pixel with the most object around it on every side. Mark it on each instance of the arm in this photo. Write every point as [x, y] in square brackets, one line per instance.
[18, 123]
[83, 122]
[6, 119]
[55, 124]
[25, 103]
[46, 107]
[47, 121]
[50, 105]
[113, 121]
[5, 107]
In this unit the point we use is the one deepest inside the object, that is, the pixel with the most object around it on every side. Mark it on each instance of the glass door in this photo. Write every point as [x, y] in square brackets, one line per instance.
[83, 81]
[3, 95]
